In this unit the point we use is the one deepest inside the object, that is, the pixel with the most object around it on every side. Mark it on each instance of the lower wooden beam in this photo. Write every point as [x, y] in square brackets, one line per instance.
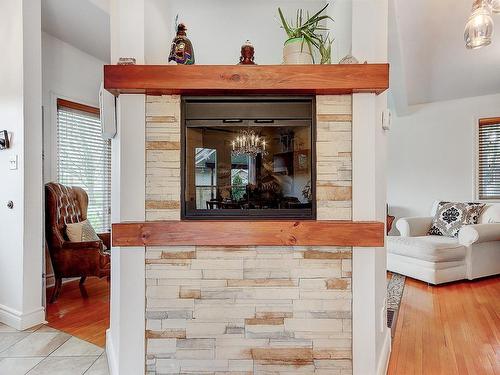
[249, 233]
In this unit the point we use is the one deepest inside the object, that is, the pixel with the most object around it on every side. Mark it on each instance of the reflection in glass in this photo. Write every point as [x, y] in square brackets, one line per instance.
[205, 175]
[270, 171]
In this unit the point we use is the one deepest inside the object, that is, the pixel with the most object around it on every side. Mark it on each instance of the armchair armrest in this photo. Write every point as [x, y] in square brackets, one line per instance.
[79, 246]
[106, 239]
[414, 226]
[477, 233]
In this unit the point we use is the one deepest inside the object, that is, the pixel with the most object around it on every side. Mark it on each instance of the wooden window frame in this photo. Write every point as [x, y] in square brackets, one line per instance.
[78, 106]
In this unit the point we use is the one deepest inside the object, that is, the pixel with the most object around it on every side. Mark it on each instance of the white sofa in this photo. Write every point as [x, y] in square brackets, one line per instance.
[438, 259]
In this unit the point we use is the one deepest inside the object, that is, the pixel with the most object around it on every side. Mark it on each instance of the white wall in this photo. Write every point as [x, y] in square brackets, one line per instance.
[21, 243]
[67, 73]
[218, 28]
[431, 153]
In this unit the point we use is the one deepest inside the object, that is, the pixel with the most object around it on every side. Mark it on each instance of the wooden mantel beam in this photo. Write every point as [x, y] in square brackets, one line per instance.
[249, 233]
[246, 79]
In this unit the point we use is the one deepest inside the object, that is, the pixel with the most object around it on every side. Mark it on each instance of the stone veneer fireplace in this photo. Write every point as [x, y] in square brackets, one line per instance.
[248, 309]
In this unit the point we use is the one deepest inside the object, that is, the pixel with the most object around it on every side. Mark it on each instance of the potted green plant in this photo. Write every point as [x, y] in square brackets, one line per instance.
[304, 36]
[325, 49]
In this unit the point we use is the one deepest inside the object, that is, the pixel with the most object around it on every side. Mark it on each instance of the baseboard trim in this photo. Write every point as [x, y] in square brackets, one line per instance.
[16, 319]
[383, 362]
[50, 281]
[110, 352]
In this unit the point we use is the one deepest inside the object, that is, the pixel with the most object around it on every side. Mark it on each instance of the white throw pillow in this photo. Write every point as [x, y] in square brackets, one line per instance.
[81, 232]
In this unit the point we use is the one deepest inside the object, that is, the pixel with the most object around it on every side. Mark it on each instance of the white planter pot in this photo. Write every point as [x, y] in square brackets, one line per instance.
[296, 51]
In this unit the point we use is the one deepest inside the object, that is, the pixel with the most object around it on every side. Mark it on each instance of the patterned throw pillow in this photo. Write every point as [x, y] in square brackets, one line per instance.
[81, 232]
[451, 216]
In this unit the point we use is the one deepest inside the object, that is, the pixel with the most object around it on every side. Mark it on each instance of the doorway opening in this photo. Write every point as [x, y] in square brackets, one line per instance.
[78, 223]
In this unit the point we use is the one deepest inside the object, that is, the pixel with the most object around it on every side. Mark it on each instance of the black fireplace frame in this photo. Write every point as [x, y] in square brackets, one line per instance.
[286, 102]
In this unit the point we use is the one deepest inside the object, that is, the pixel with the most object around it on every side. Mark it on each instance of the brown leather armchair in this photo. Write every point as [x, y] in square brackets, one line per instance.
[64, 205]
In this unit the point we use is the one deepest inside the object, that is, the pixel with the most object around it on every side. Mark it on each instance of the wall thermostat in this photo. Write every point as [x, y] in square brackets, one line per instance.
[386, 119]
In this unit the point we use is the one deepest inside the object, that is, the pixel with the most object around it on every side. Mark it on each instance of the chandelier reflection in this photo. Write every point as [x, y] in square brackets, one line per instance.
[249, 143]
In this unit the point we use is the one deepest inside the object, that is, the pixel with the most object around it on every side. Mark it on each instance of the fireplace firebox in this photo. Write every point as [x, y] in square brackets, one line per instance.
[248, 157]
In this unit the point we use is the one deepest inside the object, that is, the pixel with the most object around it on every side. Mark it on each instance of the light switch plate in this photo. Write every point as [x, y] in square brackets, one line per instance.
[13, 162]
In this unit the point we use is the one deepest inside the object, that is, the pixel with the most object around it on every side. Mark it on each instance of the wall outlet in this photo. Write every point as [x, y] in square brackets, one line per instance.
[13, 162]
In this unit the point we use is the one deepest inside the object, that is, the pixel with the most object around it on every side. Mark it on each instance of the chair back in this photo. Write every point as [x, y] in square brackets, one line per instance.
[63, 205]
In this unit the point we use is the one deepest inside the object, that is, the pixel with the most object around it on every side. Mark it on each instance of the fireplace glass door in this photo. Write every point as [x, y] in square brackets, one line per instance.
[240, 163]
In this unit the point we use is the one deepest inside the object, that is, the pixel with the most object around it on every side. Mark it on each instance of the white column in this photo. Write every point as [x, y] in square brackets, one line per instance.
[21, 228]
[371, 337]
[125, 340]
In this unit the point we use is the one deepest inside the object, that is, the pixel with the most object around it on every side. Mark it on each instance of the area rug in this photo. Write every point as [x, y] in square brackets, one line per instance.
[395, 288]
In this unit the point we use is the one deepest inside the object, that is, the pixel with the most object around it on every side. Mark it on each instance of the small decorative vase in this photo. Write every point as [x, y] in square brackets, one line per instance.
[182, 50]
[296, 51]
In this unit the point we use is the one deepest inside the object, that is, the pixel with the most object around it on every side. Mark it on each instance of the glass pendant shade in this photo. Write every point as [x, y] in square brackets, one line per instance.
[479, 27]
[495, 5]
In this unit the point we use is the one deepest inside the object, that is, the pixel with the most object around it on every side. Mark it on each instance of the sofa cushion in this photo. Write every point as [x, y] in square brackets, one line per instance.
[490, 214]
[429, 248]
[451, 216]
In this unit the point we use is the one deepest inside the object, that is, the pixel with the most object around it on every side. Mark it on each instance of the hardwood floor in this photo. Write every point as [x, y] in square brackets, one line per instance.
[450, 329]
[85, 318]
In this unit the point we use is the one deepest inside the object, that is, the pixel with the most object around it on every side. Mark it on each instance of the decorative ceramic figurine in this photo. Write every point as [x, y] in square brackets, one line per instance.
[126, 61]
[182, 50]
[349, 59]
[247, 52]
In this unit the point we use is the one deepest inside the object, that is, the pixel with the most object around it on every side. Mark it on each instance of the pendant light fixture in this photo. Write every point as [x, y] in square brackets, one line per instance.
[479, 27]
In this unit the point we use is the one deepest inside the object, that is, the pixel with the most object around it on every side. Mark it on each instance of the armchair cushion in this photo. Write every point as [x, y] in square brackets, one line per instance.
[451, 216]
[478, 233]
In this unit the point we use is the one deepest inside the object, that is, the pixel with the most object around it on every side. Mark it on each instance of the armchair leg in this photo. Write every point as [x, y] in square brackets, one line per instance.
[83, 291]
[56, 291]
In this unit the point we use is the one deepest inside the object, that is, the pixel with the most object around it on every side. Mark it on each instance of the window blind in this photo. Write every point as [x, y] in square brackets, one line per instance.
[489, 159]
[84, 159]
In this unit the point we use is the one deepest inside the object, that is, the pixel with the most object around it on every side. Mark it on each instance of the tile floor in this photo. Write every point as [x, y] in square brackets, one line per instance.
[44, 350]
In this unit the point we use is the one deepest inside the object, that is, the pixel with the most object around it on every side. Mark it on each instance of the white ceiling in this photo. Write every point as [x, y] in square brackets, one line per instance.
[429, 61]
[82, 23]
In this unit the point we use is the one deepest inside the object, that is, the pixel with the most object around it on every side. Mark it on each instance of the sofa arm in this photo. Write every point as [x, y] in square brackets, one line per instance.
[414, 226]
[477, 233]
